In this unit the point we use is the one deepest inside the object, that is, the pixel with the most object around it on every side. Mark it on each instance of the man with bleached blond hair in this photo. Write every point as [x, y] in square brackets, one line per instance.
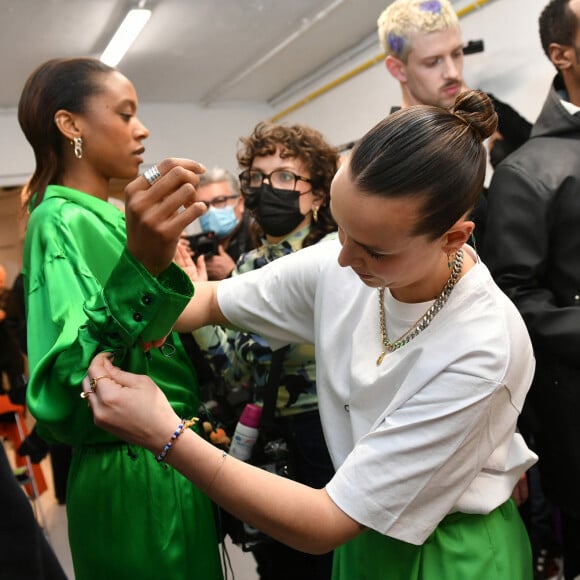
[424, 51]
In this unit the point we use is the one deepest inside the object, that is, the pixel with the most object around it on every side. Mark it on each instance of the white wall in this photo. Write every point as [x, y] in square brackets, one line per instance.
[209, 135]
[513, 67]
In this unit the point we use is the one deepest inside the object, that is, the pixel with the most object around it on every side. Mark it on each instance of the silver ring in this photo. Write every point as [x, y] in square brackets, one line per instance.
[152, 174]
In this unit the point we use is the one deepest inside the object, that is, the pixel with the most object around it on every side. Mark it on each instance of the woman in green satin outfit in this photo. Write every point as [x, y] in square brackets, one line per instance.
[88, 290]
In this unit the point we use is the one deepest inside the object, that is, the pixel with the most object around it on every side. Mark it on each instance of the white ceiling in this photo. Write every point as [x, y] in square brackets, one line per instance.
[191, 51]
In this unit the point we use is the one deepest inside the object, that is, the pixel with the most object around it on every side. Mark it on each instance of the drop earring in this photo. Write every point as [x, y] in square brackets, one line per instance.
[315, 213]
[474, 245]
[77, 143]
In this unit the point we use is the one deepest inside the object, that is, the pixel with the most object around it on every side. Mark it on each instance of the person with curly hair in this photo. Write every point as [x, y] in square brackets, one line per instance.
[285, 182]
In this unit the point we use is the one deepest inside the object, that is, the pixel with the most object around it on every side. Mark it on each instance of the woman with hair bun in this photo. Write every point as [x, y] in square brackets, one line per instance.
[423, 365]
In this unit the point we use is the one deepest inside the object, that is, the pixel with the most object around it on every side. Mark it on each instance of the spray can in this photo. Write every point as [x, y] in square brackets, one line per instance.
[246, 432]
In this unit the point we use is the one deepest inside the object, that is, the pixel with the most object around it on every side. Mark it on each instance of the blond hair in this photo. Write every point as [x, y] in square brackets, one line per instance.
[404, 17]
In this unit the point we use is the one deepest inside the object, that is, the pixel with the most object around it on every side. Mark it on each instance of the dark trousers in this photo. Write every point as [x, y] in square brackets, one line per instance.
[277, 561]
[25, 554]
[12, 364]
[570, 546]
[60, 458]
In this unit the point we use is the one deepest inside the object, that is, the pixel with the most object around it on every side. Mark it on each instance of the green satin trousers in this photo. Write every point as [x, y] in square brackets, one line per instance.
[463, 547]
[131, 517]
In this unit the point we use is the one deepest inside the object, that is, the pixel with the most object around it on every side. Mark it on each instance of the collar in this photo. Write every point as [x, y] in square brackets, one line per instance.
[104, 210]
[570, 107]
[292, 241]
[562, 93]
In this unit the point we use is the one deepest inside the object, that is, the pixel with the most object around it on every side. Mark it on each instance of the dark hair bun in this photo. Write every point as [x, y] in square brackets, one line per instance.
[476, 109]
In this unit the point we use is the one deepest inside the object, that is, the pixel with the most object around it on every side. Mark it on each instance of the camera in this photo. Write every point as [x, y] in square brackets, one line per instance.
[272, 454]
[206, 244]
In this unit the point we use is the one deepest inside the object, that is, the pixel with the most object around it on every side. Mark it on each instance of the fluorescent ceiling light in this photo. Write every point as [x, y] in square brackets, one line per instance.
[126, 34]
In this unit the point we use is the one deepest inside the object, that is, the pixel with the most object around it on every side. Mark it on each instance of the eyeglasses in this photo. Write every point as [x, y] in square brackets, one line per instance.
[220, 201]
[252, 179]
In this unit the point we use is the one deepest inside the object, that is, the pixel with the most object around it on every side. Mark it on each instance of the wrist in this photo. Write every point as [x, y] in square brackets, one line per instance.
[154, 267]
[182, 426]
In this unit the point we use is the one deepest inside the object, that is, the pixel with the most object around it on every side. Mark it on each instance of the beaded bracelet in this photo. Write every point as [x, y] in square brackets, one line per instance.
[185, 424]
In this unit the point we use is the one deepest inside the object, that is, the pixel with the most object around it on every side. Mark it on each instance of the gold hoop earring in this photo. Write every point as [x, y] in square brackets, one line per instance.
[315, 213]
[77, 143]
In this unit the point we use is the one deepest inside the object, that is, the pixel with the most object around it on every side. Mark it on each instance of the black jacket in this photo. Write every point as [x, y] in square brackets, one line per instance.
[532, 248]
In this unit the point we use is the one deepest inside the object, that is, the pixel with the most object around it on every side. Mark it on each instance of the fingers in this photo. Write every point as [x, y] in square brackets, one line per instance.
[158, 171]
[102, 368]
[164, 196]
[100, 365]
[147, 346]
[185, 261]
[188, 212]
[520, 492]
[159, 206]
[221, 265]
[179, 256]
[201, 269]
[129, 405]
[124, 378]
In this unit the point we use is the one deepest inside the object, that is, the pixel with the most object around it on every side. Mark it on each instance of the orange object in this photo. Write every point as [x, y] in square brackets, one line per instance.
[16, 431]
[219, 437]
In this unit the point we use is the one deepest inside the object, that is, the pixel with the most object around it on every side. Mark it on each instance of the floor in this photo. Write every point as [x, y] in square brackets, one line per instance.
[52, 518]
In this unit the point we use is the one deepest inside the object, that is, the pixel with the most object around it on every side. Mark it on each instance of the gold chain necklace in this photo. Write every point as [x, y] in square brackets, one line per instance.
[426, 319]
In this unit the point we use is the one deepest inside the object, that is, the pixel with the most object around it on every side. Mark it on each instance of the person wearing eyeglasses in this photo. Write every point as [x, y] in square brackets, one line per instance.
[226, 219]
[285, 183]
[225, 231]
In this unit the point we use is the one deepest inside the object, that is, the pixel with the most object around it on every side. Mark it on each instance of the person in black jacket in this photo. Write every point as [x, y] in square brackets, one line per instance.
[512, 132]
[532, 249]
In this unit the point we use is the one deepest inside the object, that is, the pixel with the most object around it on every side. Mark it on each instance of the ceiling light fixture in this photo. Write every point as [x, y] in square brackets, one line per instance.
[126, 34]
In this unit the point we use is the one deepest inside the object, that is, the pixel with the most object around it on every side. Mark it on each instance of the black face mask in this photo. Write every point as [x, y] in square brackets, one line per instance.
[276, 210]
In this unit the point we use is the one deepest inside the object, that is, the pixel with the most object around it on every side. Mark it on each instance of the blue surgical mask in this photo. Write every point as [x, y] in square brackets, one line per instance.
[221, 221]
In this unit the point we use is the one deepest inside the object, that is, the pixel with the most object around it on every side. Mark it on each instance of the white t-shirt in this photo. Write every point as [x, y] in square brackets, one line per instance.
[430, 431]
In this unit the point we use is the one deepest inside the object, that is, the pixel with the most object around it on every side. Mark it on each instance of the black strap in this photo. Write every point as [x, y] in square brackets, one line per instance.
[271, 390]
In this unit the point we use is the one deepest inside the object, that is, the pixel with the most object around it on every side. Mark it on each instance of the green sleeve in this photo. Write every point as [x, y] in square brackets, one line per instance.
[134, 304]
[72, 316]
